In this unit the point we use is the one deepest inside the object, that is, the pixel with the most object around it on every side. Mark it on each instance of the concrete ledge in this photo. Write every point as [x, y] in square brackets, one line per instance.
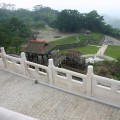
[6, 114]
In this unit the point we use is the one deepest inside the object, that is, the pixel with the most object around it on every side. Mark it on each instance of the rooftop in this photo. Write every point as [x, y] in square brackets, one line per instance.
[38, 47]
[22, 95]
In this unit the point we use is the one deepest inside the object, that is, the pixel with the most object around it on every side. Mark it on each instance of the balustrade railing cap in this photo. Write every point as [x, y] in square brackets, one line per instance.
[90, 69]
[51, 62]
[2, 49]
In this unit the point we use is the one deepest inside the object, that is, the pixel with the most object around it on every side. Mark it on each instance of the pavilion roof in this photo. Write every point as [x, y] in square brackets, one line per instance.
[38, 47]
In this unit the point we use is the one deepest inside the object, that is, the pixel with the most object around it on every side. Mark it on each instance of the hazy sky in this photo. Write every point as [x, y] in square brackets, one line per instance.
[109, 7]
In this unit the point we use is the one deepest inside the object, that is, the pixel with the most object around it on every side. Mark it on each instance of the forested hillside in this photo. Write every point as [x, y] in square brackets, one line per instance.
[36, 18]
[73, 21]
[17, 25]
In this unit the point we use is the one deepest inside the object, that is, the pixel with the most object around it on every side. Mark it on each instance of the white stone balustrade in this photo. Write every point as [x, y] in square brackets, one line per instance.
[92, 86]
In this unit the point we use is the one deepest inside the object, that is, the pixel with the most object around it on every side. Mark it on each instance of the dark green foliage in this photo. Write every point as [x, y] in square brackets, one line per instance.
[72, 21]
[68, 21]
[110, 69]
[38, 25]
[45, 14]
[13, 33]
[15, 24]
[93, 21]
[37, 18]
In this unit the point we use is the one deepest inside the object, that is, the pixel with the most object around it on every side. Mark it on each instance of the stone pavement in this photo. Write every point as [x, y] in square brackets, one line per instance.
[38, 101]
[111, 41]
[102, 50]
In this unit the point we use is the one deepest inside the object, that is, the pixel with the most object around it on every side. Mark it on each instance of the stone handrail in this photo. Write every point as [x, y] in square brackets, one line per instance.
[28, 63]
[12, 59]
[36, 71]
[69, 80]
[106, 88]
[89, 85]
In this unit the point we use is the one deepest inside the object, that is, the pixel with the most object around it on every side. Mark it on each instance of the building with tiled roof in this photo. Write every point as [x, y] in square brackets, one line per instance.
[38, 51]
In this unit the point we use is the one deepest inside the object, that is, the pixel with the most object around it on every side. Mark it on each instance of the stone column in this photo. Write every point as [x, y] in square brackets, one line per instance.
[89, 80]
[50, 71]
[23, 59]
[3, 53]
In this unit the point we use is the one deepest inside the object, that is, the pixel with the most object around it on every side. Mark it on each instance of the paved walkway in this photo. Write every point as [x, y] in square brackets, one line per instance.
[108, 41]
[22, 95]
[102, 50]
[111, 41]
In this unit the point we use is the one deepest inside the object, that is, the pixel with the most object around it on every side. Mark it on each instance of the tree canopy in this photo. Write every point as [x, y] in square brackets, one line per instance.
[68, 21]
[16, 24]
[36, 18]
[73, 21]
[13, 33]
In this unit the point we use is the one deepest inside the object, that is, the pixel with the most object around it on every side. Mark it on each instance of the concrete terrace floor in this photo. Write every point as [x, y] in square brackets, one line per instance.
[45, 103]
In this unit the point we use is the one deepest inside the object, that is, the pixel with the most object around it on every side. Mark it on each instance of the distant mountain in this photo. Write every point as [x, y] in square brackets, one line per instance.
[115, 22]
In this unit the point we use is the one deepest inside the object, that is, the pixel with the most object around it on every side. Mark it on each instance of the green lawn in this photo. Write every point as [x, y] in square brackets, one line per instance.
[66, 40]
[85, 50]
[113, 51]
[92, 36]
[73, 39]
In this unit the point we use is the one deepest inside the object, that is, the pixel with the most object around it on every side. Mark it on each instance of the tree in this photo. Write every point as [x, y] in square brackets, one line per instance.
[94, 21]
[68, 21]
[45, 14]
[13, 34]
[73, 21]
[18, 28]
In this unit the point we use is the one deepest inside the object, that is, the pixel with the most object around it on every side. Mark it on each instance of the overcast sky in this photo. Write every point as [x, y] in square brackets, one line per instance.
[109, 7]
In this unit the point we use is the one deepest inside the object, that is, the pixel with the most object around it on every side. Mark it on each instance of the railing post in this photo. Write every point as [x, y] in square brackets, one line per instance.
[89, 80]
[3, 53]
[23, 59]
[50, 71]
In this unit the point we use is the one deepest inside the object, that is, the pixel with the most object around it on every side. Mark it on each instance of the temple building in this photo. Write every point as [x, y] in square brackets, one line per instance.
[38, 51]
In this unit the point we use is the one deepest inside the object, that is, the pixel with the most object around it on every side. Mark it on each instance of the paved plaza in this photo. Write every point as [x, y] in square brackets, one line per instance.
[42, 102]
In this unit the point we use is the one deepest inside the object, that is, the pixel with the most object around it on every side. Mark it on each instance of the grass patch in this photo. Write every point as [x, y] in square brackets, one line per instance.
[66, 40]
[85, 50]
[113, 51]
[92, 36]
[73, 39]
